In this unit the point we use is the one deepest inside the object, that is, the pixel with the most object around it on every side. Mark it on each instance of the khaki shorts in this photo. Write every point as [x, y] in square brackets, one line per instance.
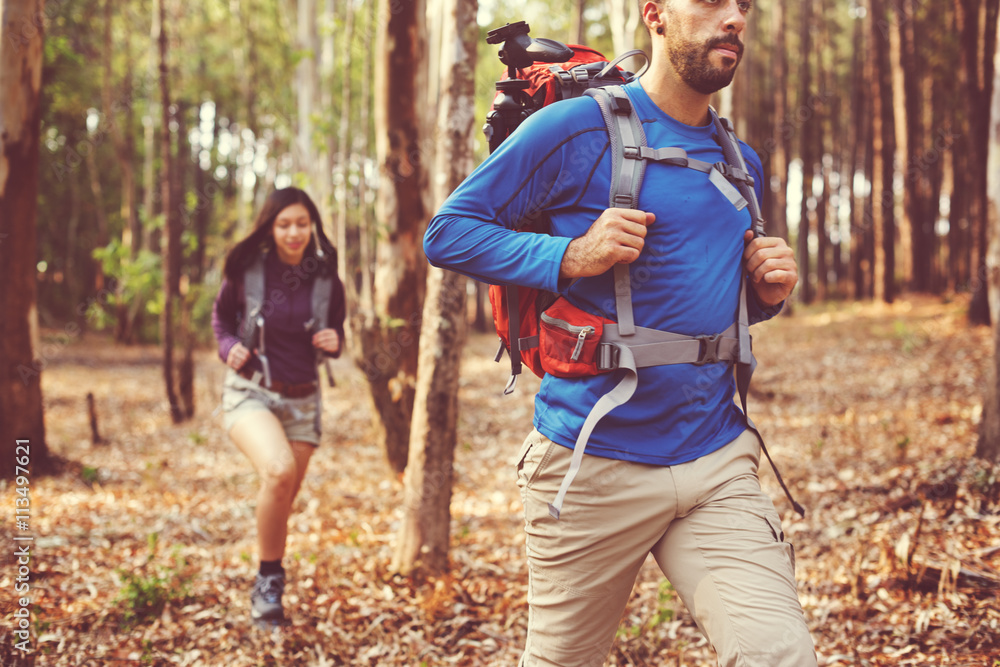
[297, 415]
[715, 535]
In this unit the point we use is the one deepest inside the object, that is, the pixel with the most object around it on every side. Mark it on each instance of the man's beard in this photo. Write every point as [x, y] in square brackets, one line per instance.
[696, 70]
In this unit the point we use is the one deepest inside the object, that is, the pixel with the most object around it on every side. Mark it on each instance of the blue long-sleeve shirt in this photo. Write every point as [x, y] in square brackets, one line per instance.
[686, 280]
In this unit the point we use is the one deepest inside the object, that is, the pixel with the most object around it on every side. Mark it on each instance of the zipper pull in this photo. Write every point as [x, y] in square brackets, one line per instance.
[580, 339]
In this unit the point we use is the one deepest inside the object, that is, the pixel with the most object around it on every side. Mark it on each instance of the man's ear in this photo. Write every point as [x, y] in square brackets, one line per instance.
[652, 16]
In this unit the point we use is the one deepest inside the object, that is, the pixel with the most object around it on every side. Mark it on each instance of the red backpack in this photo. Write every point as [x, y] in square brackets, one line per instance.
[553, 336]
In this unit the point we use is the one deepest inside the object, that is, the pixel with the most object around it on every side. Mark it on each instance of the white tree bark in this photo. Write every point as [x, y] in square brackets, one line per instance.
[623, 19]
[307, 87]
[993, 189]
[988, 446]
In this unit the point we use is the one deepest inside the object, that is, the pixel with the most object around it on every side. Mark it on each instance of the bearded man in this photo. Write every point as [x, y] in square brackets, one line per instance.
[673, 471]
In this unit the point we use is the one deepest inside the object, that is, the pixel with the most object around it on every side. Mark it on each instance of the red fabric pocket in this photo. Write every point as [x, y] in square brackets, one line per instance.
[569, 339]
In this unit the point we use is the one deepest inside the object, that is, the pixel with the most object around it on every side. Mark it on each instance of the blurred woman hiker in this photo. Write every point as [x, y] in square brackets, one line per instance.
[278, 315]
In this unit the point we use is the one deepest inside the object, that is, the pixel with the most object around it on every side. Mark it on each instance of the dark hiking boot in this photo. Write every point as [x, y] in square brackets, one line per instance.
[265, 600]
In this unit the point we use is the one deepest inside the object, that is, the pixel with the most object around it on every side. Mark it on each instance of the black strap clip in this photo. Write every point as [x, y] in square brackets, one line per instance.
[734, 174]
[709, 352]
[621, 105]
[608, 357]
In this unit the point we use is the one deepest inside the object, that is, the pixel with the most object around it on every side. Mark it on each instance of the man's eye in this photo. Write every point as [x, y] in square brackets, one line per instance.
[745, 6]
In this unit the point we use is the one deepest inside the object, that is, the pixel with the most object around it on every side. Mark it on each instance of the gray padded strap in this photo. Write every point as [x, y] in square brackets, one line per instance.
[734, 157]
[322, 290]
[627, 140]
[623, 299]
[619, 395]
[652, 347]
[743, 323]
[253, 300]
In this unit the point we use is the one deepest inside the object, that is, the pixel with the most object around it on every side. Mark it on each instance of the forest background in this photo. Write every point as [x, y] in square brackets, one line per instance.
[157, 130]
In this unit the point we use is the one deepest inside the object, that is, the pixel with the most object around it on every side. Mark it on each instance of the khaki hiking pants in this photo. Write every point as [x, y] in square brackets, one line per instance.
[715, 535]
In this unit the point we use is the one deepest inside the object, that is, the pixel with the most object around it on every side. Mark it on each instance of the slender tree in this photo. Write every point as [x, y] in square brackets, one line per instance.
[388, 334]
[978, 37]
[778, 148]
[578, 29]
[344, 146]
[884, 193]
[21, 419]
[172, 245]
[424, 533]
[807, 147]
[988, 446]
[921, 212]
[855, 163]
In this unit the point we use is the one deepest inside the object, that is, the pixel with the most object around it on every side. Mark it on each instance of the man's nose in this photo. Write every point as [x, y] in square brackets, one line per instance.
[735, 20]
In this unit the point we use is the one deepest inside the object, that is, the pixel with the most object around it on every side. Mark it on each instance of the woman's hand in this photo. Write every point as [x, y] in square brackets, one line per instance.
[327, 340]
[238, 355]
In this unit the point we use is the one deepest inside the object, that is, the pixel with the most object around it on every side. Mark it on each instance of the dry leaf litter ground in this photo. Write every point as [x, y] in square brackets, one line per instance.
[144, 547]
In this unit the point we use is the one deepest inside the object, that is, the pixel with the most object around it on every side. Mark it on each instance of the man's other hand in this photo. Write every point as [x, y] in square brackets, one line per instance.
[771, 267]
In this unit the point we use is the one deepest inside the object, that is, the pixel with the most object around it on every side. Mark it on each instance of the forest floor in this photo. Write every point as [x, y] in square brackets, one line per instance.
[144, 547]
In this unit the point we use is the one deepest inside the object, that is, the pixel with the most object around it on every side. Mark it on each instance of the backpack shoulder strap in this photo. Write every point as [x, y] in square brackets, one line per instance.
[737, 168]
[627, 138]
[627, 170]
[322, 290]
[253, 295]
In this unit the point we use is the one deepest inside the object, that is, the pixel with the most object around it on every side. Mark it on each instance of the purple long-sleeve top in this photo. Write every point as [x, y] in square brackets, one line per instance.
[288, 298]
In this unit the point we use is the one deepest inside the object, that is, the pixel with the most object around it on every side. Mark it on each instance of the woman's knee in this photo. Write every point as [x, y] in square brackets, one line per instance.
[279, 475]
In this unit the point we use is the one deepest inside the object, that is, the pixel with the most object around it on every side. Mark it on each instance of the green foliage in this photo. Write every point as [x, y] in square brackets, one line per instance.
[664, 613]
[664, 598]
[136, 282]
[89, 475]
[145, 593]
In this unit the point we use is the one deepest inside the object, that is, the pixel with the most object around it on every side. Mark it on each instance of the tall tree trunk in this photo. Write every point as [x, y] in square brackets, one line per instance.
[778, 148]
[151, 196]
[988, 445]
[479, 320]
[884, 194]
[821, 121]
[916, 193]
[327, 70]
[245, 114]
[366, 243]
[806, 153]
[178, 198]
[344, 158]
[124, 142]
[865, 281]
[389, 334]
[959, 246]
[306, 86]
[623, 17]
[424, 532]
[21, 419]
[578, 28]
[172, 247]
[977, 41]
[121, 132]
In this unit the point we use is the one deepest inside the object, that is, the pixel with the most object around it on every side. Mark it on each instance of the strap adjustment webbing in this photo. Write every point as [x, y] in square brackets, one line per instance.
[652, 347]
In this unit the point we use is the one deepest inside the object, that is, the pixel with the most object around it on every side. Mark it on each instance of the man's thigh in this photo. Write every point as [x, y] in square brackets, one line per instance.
[583, 565]
[728, 561]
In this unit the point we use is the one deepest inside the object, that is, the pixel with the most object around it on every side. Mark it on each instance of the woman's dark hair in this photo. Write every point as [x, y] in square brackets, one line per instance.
[261, 238]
